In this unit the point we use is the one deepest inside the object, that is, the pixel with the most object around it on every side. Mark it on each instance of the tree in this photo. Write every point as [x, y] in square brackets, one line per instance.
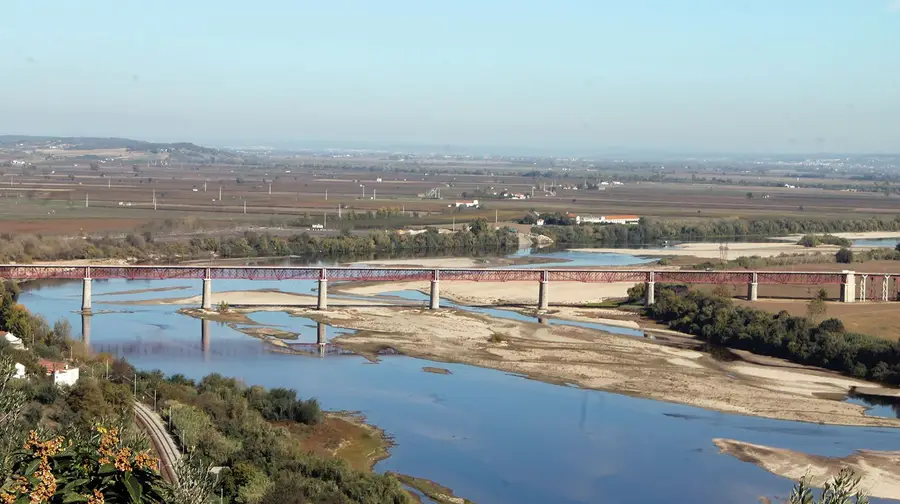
[842, 489]
[749, 195]
[479, 226]
[844, 256]
[815, 309]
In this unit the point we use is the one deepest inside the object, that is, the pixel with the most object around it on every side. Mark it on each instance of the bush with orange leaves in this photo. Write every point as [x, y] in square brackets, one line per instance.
[98, 470]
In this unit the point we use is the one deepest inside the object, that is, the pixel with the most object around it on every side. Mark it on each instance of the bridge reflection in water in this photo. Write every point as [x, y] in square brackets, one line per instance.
[172, 348]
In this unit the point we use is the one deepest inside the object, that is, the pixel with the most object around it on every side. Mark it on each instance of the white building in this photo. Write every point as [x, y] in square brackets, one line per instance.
[467, 203]
[13, 340]
[67, 377]
[61, 372]
[20, 371]
[608, 219]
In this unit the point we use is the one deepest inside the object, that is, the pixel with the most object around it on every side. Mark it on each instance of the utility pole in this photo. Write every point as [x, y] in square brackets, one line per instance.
[324, 220]
[220, 193]
[270, 188]
[454, 223]
[135, 385]
[204, 186]
[154, 200]
[109, 183]
[326, 194]
[339, 211]
[245, 206]
[495, 216]
[87, 200]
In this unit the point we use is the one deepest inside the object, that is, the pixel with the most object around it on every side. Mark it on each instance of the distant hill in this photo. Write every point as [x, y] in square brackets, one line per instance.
[91, 143]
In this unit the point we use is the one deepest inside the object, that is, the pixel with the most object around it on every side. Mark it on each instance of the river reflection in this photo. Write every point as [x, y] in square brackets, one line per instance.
[491, 436]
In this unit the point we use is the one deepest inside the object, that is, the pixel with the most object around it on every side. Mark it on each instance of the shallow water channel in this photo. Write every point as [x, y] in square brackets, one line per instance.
[490, 436]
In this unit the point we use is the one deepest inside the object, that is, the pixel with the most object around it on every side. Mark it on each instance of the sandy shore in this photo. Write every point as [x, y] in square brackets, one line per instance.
[499, 293]
[254, 298]
[879, 471]
[424, 262]
[867, 235]
[711, 250]
[598, 360]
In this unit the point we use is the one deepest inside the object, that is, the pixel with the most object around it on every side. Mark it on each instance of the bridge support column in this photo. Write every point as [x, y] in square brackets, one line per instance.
[650, 289]
[206, 299]
[320, 334]
[543, 291]
[323, 291]
[435, 299]
[86, 330]
[848, 287]
[323, 295]
[753, 289]
[649, 293]
[86, 295]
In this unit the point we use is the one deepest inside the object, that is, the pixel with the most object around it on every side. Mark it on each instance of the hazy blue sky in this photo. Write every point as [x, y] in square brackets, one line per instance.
[712, 75]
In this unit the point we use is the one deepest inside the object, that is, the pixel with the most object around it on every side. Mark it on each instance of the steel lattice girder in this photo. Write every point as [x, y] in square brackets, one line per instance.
[800, 278]
[419, 274]
[704, 277]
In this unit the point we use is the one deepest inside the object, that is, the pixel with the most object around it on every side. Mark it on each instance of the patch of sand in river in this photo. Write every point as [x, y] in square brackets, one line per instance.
[879, 473]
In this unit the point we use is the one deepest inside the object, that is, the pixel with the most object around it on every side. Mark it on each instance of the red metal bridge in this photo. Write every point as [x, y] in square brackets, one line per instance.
[848, 280]
[22, 272]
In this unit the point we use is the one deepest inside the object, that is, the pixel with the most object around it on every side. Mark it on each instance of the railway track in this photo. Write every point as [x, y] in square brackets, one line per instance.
[163, 444]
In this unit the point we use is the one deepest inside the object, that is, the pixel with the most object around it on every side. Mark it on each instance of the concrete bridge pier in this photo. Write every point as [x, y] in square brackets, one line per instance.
[323, 291]
[86, 330]
[848, 287]
[650, 290]
[543, 291]
[206, 300]
[86, 295]
[435, 299]
[753, 288]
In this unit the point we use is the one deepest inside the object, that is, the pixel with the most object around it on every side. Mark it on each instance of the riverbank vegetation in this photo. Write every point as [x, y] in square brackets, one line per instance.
[814, 240]
[717, 320]
[478, 238]
[654, 231]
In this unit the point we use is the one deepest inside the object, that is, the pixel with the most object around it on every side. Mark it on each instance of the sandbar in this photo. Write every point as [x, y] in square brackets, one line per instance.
[879, 471]
[712, 250]
[599, 360]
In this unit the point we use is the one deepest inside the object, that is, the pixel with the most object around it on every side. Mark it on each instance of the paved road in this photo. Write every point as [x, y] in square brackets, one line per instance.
[163, 444]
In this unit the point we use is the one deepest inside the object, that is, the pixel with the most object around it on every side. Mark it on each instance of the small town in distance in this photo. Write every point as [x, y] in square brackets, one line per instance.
[472, 252]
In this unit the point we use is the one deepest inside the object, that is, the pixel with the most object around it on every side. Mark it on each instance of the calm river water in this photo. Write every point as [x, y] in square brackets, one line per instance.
[491, 436]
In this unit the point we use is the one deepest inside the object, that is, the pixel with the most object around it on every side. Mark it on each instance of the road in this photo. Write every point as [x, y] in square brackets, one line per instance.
[163, 444]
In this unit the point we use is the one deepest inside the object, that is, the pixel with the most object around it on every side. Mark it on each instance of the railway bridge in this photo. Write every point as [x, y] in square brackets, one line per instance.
[850, 282]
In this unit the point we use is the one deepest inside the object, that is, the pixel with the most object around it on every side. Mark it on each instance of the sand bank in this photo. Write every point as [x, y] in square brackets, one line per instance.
[879, 471]
[499, 293]
[254, 298]
[598, 360]
[711, 250]
[867, 235]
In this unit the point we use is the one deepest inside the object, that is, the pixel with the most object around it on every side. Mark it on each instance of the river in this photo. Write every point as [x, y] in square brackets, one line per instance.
[490, 436]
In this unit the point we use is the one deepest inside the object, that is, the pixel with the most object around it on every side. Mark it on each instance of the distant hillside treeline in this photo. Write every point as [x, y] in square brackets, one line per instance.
[652, 231]
[480, 239]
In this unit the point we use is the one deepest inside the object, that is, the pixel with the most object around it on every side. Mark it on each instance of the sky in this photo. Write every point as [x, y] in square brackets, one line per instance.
[568, 76]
